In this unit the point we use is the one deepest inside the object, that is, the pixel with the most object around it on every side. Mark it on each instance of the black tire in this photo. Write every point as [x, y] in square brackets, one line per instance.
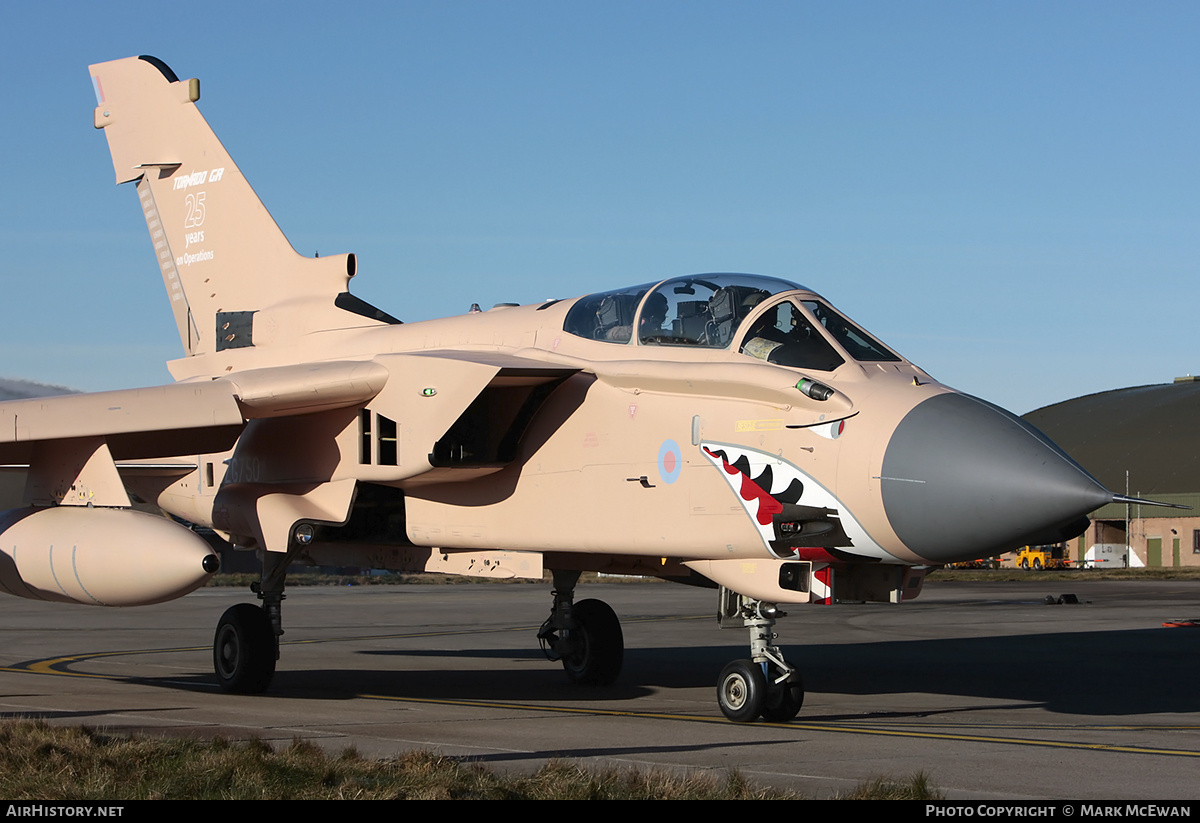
[244, 650]
[1025, 563]
[742, 691]
[783, 702]
[1037, 564]
[598, 645]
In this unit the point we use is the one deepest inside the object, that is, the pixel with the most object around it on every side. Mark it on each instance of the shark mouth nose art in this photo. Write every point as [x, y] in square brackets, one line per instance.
[795, 516]
[757, 483]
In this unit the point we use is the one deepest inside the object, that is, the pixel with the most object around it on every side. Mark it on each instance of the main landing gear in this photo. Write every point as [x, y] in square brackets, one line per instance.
[586, 636]
[246, 645]
[767, 685]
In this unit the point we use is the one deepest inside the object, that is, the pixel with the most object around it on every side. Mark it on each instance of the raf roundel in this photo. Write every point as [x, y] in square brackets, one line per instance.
[670, 461]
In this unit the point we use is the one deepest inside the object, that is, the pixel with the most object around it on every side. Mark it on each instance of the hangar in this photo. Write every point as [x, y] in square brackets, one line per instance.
[1142, 439]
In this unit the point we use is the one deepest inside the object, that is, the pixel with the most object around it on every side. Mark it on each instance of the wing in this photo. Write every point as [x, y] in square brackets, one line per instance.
[292, 430]
[70, 443]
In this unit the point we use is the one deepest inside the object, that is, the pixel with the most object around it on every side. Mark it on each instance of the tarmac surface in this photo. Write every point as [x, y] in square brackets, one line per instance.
[982, 686]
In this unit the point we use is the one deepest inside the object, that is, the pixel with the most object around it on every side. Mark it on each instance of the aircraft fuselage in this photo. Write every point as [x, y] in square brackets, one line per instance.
[675, 451]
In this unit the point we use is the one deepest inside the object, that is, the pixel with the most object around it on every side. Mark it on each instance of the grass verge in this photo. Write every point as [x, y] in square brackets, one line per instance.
[43, 762]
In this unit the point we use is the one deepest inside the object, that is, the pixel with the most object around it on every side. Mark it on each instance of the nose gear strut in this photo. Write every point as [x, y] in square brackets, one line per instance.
[767, 685]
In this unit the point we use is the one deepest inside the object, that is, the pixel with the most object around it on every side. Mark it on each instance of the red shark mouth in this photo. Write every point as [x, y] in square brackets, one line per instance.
[796, 517]
[772, 492]
[752, 488]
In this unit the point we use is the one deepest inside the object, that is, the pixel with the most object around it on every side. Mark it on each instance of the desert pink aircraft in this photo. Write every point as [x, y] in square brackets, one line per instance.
[730, 430]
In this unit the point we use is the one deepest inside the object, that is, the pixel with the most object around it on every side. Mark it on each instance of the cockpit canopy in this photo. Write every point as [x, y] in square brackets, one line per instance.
[702, 310]
[706, 311]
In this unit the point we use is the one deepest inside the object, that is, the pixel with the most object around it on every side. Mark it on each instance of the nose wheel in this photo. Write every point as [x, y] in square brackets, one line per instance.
[785, 693]
[742, 691]
[767, 686]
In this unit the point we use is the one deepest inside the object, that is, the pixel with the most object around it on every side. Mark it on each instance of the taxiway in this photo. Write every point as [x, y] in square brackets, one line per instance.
[984, 687]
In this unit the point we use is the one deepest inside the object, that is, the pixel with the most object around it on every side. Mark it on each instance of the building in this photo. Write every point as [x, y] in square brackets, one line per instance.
[1144, 439]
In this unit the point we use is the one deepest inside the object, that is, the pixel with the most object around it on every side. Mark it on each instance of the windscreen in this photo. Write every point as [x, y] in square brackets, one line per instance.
[784, 335]
[860, 345]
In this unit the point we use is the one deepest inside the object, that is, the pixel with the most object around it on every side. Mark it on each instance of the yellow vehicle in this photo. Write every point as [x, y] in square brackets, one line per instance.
[1056, 556]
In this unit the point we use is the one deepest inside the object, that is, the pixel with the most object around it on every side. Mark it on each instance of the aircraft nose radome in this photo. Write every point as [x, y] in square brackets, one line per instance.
[963, 479]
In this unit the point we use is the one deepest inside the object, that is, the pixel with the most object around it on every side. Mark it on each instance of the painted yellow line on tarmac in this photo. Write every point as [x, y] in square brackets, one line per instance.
[532, 707]
[794, 726]
[984, 738]
[1042, 727]
[60, 666]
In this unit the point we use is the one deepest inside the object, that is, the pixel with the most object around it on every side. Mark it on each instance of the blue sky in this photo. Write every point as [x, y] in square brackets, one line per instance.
[1007, 193]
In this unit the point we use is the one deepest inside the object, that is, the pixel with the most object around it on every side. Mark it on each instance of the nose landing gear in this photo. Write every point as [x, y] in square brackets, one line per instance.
[742, 691]
[766, 686]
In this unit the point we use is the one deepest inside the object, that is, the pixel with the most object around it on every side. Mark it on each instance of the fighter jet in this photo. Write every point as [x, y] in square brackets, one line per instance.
[730, 430]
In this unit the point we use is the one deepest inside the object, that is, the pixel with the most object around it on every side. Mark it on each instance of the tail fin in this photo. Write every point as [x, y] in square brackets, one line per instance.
[233, 279]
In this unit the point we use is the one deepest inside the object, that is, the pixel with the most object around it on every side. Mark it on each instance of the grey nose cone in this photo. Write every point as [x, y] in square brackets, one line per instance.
[964, 479]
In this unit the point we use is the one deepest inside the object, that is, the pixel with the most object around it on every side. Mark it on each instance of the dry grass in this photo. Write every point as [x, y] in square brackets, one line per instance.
[916, 787]
[42, 762]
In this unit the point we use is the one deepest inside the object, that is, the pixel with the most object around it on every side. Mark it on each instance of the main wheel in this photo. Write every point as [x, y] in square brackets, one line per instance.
[244, 650]
[742, 691]
[1037, 564]
[1025, 563]
[783, 701]
[597, 645]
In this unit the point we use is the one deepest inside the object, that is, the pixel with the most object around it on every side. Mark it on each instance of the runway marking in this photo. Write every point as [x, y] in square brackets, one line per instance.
[60, 667]
[822, 727]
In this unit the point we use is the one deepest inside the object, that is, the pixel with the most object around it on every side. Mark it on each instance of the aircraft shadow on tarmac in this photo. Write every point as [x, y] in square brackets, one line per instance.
[1146, 671]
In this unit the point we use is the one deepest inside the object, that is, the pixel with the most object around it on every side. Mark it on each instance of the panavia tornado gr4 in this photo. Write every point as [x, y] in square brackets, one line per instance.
[731, 430]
